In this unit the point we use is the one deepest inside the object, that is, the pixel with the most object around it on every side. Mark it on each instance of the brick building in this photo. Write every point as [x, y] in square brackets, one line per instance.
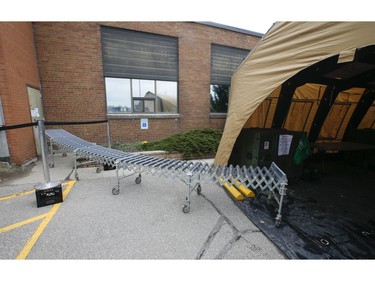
[18, 76]
[173, 75]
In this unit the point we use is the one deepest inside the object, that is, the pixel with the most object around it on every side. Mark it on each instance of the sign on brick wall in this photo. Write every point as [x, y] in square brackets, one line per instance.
[144, 124]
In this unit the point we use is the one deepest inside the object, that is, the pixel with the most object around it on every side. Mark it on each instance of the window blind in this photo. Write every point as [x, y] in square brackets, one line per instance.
[139, 55]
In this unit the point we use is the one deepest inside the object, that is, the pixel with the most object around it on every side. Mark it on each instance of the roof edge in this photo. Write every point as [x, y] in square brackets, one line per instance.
[231, 28]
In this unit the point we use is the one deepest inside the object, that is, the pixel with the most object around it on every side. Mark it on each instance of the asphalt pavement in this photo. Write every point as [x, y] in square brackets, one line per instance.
[144, 221]
[141, 233]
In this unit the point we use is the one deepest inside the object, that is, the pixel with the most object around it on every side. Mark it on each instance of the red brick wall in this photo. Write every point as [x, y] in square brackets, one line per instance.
[17, 70]
[71, 73]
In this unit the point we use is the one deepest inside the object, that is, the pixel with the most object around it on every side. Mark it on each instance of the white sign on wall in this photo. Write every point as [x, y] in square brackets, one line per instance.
[144, 124]
[35, 113]
[284, 144]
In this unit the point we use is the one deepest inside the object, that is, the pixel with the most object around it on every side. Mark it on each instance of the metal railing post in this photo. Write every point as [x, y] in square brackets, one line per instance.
[43, 146]
[46, 193]
[108, 135]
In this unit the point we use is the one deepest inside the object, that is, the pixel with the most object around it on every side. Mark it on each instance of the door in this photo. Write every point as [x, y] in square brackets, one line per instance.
[36, 109]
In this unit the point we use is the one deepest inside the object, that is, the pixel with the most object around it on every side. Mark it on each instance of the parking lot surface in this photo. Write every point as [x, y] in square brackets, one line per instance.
[144, 221]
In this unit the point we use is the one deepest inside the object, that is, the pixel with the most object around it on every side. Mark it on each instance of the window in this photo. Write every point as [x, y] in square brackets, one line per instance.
[140, 96]
[141, 71]
[224, 61]
[219, 98]
[118, 95]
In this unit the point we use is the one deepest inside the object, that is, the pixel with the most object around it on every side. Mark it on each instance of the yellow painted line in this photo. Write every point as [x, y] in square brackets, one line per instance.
[20, 194]
[22, 223]
[17, 195]
[31, 242]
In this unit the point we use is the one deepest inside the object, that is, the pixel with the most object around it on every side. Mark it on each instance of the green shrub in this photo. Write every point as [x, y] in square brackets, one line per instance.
[129, 147]
[195, 143]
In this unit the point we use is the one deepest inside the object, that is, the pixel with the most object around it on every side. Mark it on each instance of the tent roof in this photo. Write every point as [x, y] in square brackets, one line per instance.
[305, 76]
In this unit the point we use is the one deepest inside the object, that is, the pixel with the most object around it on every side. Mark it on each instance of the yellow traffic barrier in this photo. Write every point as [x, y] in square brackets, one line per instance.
[232, 191]
[244, 190]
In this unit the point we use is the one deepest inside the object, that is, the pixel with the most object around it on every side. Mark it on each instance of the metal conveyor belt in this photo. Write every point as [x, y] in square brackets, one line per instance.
[238, 181]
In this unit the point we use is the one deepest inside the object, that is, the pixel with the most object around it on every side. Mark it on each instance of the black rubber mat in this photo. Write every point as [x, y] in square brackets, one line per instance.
[331, 218]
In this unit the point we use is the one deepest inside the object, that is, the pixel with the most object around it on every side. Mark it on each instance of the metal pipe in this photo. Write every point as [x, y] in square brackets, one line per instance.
[43, 146]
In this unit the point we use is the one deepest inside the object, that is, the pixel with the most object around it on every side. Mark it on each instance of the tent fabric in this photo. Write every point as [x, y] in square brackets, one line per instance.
[285, 50]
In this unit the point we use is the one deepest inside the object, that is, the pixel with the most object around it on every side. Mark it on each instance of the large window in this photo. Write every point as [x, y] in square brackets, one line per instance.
[141, 71]
[140, 96]
[224, 61]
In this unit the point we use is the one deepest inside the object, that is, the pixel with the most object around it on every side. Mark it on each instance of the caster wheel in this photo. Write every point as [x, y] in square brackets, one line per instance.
[199, 190]
[186, 209]
[51, 165]
[64, 155]
[98, 170]
[77, 177]
[138, 180]
[115, 191]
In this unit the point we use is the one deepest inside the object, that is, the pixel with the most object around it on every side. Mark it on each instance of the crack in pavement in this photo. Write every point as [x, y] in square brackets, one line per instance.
[210, 238]
[237, 234]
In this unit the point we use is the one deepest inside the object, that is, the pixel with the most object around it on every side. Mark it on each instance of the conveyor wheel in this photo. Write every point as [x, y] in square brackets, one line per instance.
[138, 180]
[77, 177]
[51, 165]
[98, 170]
[277, 223]
[115, 191]
[186, 209]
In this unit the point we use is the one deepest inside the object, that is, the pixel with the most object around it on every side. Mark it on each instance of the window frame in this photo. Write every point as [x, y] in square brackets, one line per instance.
[143, 102]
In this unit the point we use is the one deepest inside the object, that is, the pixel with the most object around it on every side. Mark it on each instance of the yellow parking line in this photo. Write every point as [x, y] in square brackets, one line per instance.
[31, 242]
[22, 223]
[17, 195]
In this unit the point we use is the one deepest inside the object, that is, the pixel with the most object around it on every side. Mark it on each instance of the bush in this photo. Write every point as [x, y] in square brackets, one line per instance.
[195, 143]
[128, 147]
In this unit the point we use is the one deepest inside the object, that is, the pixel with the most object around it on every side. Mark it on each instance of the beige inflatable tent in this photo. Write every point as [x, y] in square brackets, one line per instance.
[317, 77]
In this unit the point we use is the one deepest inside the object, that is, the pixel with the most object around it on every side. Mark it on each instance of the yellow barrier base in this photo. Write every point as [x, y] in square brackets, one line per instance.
[238, 191]
[233, 191]
[244, 190]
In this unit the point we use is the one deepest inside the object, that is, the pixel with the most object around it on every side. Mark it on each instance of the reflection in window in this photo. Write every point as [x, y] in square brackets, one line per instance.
[166, 93]
[140, 96]
[219, 98]
[142, 87]
[144, 105]
[118, 95]
[138, 105]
